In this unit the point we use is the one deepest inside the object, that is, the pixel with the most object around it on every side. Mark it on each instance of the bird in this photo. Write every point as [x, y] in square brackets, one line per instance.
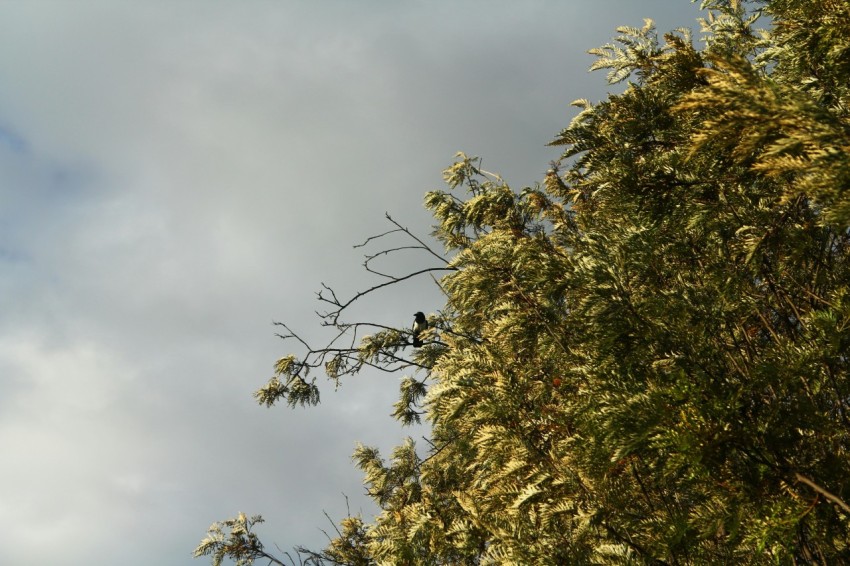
[420, 324]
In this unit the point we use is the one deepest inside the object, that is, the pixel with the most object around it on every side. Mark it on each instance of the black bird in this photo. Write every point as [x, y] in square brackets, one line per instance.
[420, 323]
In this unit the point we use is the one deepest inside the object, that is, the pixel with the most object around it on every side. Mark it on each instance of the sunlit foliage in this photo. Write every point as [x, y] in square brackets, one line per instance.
[644, 359]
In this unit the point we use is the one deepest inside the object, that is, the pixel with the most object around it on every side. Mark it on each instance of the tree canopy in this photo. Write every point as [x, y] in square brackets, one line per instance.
[642, 359]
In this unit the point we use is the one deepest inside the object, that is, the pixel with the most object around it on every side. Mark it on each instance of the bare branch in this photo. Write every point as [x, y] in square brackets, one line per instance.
[369, 258]
[423, 244]
[357, 345]
[334, 315]
[376, 237]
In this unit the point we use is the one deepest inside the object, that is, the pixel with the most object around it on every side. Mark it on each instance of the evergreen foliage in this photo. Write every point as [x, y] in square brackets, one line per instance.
[645, 358]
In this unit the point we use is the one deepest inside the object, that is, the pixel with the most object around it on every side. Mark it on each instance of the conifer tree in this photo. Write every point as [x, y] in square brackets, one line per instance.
[645, 358]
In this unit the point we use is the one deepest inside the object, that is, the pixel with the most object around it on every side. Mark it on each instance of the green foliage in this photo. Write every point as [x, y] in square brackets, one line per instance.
[646, 358]
[240, 543]
[289, 383]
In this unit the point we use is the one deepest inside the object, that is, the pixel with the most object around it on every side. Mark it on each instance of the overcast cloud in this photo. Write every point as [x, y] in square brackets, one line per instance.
[174, 176]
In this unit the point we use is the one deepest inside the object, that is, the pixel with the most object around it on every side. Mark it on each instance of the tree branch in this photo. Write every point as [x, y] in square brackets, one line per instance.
[834, 498]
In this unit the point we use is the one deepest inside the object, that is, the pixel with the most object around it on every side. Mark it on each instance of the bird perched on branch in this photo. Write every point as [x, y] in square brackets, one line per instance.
[420, 324]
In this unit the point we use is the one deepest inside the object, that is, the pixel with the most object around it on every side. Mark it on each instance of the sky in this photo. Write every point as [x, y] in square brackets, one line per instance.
[175, 176]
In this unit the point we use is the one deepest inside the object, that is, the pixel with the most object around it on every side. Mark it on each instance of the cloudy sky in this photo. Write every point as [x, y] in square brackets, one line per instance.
[177, 175]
